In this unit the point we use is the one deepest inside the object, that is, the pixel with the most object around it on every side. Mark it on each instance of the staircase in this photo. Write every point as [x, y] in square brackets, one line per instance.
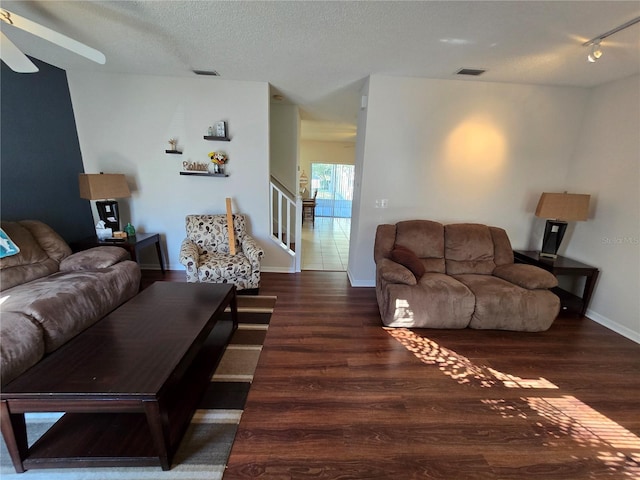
[286, 230]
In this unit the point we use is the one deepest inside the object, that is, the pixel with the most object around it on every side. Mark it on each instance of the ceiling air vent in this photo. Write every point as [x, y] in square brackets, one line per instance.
[474, 72]
[211, 73]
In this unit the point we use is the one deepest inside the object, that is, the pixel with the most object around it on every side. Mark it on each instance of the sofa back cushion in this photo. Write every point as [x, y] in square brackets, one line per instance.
[210, 233]
[426, 239]
[384, 242]
[468, 249]
[423, 237]
[455, 249]
[502, 250]
[41, 250]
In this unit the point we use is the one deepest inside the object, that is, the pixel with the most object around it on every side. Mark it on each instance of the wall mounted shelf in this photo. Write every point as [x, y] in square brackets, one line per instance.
[175, 152]
[205, 174]
[219, 139]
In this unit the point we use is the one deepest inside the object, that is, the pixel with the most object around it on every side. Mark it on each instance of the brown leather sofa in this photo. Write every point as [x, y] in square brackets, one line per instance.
[430, 275]
[49, 295]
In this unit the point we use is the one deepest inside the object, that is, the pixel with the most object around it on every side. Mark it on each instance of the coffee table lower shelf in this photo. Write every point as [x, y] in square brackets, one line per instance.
[94, 440]
[107, 433]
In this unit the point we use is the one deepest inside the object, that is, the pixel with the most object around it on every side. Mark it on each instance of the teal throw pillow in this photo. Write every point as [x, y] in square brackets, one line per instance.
[7, 247]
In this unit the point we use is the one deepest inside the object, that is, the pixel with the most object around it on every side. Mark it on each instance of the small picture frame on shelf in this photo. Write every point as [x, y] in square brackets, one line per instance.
[220, 129]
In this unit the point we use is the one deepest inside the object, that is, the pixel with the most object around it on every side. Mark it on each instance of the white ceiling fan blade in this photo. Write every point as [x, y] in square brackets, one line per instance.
[53, 37]
[14, 58]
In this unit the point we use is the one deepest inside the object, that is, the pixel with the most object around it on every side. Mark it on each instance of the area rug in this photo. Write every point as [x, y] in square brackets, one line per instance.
[205, 448]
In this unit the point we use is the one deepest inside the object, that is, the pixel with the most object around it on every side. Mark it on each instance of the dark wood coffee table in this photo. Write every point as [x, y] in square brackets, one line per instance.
[128, 385]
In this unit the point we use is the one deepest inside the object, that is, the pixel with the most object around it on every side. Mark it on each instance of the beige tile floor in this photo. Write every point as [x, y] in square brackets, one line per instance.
[325, 245]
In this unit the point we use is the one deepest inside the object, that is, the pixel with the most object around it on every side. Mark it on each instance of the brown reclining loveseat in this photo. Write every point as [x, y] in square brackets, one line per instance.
[430, 275]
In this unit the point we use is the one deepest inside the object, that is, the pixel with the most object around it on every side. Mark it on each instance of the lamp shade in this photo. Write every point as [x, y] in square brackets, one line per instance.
[563, 206]
[101, 186]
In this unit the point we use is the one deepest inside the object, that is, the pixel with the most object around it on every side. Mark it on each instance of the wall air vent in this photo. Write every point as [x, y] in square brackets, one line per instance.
[211, 73]
[474, 72]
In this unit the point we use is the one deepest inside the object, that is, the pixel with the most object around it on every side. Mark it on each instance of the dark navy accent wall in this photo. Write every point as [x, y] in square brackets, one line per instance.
[40, 153]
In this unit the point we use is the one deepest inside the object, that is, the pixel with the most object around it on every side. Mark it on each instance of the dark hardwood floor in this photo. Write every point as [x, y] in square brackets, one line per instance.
[336, 396]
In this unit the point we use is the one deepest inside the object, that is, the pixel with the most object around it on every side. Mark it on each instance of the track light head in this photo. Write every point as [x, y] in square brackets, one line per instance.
[596, 52]
[594, 43]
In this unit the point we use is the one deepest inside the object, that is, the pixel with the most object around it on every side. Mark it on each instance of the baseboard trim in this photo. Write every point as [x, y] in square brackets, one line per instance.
[277, 269]
[614, 326]
[155, 266]
[359, 283]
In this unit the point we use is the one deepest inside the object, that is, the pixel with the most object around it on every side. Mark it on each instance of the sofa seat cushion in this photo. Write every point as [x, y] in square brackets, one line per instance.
[502, 305]
[22, 344]
[437, 301]
[66, 303]
[223, 268]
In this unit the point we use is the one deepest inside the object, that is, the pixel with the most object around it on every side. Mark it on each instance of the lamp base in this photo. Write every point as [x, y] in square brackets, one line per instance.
[109, 214]
[554, 231]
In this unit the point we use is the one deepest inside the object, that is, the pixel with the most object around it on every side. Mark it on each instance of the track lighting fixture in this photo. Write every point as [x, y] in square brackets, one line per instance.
[596, 52]
[594, 43]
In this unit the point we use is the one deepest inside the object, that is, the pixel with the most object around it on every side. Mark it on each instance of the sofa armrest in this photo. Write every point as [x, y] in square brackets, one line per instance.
[97, 257]
[395, 273]
[252, 250]
[189, 255]
[526, 276]
[188, 252]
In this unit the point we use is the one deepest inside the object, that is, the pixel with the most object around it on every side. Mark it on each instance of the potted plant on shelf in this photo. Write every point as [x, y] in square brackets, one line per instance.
[218, 160]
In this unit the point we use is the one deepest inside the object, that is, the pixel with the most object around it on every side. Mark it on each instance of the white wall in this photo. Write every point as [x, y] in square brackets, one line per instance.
[360, 225]
[285, 135]
[606, 165]
[124, 123]
[460, 151]
[316, 151]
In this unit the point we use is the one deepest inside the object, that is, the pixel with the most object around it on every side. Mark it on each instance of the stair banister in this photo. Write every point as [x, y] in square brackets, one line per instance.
[286, 230]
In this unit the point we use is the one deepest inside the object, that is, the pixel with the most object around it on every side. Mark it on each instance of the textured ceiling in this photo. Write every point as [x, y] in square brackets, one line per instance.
[318, 54]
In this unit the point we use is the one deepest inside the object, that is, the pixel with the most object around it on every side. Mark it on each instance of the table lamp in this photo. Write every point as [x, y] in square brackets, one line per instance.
[104, 188]
[558, 208]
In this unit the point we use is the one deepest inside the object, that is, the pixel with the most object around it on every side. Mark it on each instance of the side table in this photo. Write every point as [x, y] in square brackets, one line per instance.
[132, 244]
[564, 266]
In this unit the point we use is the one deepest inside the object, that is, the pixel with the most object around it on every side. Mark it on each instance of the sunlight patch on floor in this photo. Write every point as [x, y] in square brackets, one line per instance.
[556, 419]
[459, 367]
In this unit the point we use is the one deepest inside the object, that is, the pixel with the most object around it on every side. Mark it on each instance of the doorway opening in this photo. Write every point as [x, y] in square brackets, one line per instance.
[326, 240]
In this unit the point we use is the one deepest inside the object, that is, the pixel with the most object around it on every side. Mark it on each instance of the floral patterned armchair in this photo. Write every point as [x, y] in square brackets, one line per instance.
[205, 252]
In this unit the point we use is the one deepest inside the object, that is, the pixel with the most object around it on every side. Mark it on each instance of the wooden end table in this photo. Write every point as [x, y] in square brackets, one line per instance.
[132, 244]
[570, 303]
[128, 385]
